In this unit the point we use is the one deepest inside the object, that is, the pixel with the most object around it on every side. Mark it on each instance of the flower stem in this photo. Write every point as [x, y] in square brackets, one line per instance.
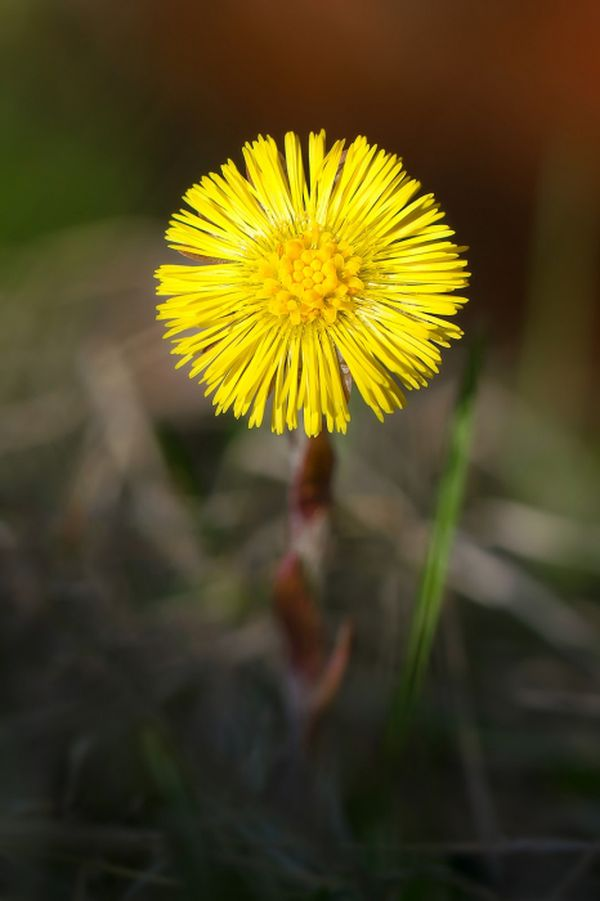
[313, 676]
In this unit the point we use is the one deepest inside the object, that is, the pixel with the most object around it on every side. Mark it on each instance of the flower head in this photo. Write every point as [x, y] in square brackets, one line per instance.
[302, 277]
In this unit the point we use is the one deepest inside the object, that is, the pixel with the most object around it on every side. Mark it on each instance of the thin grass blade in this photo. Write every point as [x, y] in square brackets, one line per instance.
[427, 609]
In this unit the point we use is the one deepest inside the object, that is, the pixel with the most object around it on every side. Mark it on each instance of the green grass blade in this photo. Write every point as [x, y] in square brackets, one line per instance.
[429, 598]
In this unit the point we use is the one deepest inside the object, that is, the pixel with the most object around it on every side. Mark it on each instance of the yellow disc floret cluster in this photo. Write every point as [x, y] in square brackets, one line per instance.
[309, 272]
[311, 276]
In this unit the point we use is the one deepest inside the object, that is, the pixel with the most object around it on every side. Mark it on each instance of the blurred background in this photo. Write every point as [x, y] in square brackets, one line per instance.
[146, 749]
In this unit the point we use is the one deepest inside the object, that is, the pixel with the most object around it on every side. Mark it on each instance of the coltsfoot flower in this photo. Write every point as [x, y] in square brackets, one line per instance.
[301, 280]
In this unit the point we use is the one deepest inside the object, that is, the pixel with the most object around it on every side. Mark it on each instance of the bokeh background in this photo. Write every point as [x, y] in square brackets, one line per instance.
[145, 747]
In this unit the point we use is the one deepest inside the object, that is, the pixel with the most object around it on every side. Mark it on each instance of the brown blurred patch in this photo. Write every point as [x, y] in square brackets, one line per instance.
[467, 77]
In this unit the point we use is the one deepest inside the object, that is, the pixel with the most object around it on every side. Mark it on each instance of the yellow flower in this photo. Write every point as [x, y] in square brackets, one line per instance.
[300, 279]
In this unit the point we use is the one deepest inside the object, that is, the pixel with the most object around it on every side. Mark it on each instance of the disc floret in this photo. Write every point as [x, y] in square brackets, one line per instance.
[311, 276]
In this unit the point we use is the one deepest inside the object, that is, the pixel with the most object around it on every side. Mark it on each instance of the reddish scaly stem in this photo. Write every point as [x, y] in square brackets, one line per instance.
[314, 677]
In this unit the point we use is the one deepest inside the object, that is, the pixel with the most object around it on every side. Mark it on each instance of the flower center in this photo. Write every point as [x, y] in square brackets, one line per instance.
[311, 276]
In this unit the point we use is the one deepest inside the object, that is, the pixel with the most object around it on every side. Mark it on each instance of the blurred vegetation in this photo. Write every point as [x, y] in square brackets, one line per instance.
[146, 745]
